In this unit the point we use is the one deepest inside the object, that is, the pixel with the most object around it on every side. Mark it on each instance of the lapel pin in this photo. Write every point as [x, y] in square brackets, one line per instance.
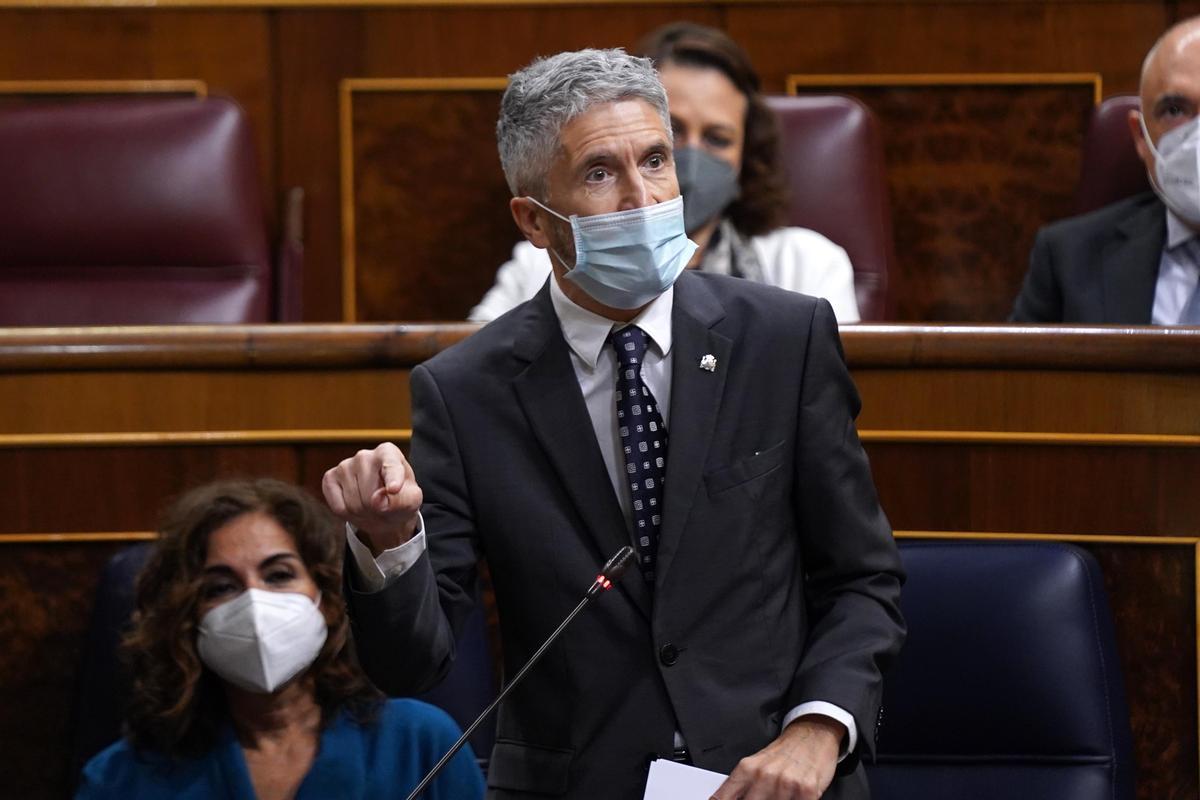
[708, 363]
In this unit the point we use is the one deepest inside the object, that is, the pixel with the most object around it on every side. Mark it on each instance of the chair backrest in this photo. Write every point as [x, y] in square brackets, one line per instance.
[136, 211]
[1110, 169]
[470, 686]
[1009, 684]
[838, 185]
[101, 685]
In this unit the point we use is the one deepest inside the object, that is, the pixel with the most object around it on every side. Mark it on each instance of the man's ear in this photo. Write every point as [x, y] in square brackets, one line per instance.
[531, 220]
[1139, 140]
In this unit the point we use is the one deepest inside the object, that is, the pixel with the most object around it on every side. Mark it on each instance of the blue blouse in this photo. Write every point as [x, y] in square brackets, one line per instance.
[383, 760]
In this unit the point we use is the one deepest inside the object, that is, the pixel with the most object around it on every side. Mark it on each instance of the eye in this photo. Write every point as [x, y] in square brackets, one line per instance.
[656, 161]
[718, 141]
[597, 175]
[1170, 110]
[279, 575]
[217, 589]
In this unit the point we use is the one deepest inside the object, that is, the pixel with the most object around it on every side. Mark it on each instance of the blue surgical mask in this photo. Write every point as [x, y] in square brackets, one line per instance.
[627, 258]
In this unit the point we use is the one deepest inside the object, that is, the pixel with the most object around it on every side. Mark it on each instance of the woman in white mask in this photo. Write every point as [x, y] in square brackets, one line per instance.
[731, 178]
[245, 683]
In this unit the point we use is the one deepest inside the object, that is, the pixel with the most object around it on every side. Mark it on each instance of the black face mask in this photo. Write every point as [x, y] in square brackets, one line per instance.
[707, 184]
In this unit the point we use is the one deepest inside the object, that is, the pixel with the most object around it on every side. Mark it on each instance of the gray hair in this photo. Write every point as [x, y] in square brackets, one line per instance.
[550, 92]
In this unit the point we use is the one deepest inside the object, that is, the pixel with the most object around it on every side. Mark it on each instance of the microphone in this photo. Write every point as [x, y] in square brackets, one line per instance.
[612, 571]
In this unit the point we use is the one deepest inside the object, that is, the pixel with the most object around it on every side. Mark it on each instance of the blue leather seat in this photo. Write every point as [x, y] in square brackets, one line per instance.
[1009, 685]
[102, 685]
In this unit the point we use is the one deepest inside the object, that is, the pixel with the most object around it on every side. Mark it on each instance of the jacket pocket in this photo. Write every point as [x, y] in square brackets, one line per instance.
[745, 470]
[523, 767]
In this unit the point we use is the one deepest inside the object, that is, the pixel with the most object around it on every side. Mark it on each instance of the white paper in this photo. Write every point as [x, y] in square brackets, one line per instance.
[672, 781]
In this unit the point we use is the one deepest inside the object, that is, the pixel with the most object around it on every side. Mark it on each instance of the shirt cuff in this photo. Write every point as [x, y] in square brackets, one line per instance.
[375, 573]
[837, 713]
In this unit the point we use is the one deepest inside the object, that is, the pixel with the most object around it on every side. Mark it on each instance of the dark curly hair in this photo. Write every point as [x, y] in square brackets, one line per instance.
[762, 204]
[178, 705]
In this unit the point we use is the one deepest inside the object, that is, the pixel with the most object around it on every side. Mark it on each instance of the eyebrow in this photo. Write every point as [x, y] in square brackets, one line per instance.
[597, 157]
[270, 560]
[608, 156]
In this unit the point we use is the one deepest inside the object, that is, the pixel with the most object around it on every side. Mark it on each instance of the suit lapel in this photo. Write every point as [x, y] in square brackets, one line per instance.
[1130, 266]
[558, 417]
[695, 401]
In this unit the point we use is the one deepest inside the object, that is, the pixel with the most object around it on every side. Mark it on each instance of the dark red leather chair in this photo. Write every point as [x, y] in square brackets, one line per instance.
[1110, 169]
[138, 211]
[838, 184]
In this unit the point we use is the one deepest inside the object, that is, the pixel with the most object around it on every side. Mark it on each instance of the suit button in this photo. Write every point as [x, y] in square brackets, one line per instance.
[668, 654]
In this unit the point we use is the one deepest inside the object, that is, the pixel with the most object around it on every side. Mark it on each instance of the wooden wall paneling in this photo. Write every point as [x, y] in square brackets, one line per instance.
[315, 49]
[496, 40]
[939, 37]
[119, 488]
[82, 488]
[1032, 488]
[1027, 400]
[228, 50]
[179, 400]
[976, 164]
[429, 221]
[47, 591]
[1153, 591]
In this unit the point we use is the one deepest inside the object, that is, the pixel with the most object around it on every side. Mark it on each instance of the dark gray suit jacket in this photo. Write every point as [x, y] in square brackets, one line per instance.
[778, 578]
[1097, 268]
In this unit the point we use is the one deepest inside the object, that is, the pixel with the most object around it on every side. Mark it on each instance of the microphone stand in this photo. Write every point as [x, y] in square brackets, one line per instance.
[613, 569]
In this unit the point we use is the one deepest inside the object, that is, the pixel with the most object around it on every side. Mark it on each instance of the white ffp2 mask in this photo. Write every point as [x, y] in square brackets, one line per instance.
[260, 640]
[1177, 169]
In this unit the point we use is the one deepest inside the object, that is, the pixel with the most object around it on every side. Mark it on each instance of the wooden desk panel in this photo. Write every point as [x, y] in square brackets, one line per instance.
[1088, 435]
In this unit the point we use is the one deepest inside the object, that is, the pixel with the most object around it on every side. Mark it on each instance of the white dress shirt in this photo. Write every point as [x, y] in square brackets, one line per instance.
[1178, 273]
[594, 362]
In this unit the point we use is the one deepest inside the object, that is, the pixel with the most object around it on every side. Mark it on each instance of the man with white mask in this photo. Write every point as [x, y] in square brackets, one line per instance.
[1136, 261]
[706, 421]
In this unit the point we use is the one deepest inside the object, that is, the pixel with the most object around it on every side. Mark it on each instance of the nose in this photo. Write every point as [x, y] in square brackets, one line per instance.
[635, 192]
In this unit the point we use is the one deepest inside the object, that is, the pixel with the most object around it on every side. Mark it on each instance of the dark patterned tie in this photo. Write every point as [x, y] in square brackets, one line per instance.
[644, 443]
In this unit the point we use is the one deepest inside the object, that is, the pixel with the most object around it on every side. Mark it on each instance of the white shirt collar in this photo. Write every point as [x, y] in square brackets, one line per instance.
[1178, 231]
[587, 332]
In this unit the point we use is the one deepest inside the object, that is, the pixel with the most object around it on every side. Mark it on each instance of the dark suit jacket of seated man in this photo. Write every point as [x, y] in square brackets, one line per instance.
[777, 580]
[1096, 269]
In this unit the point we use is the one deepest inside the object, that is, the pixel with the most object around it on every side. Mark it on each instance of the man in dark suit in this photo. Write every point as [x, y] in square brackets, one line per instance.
[1097, 268]
[705, 420]
[1137, 261]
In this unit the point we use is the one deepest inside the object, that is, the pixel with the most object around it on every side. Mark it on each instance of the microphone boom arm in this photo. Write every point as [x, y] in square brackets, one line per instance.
[612, 570]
